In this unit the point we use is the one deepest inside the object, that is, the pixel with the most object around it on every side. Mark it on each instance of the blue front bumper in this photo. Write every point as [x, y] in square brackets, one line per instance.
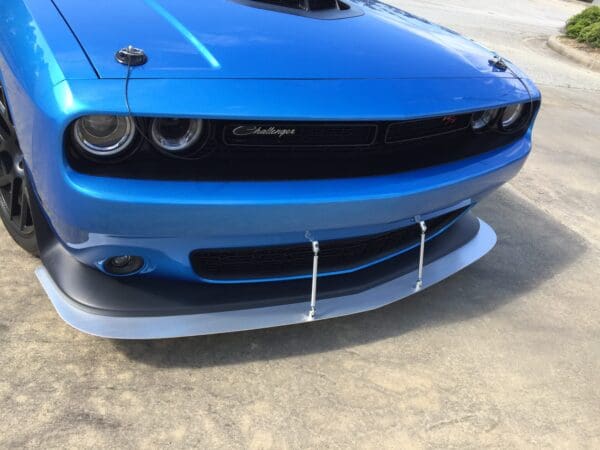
[97, 217]
[164, 221]
[92, 218]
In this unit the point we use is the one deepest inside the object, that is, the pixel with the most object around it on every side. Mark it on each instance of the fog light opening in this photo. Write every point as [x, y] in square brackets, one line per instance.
[123, 265]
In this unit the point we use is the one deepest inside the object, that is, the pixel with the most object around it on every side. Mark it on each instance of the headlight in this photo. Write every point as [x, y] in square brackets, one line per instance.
[176, 135]
[511, 117]
[483, 119]
[104, 136]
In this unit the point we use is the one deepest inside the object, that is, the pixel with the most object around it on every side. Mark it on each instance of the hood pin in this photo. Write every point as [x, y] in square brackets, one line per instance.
[131, 56]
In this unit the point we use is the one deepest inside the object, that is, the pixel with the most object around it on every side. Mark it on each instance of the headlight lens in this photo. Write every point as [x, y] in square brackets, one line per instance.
[512, 116]
[483, 119]
[103, 135]
[176, 135]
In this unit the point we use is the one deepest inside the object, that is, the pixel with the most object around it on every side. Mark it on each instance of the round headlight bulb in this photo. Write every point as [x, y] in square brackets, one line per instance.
[104, 135]
[512, 115]
[176, 135]
[483, 119]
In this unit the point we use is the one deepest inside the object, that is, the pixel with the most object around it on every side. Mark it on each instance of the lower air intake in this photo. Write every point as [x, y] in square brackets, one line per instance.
[286, 261]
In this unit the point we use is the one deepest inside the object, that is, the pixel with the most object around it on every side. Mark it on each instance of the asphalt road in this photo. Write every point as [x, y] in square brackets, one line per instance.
[505, 354]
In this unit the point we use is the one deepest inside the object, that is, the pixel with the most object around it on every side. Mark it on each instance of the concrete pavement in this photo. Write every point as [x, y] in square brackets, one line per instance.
[506, 354]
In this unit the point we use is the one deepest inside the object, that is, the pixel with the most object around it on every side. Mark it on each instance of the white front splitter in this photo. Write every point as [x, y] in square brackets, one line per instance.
[119, 327]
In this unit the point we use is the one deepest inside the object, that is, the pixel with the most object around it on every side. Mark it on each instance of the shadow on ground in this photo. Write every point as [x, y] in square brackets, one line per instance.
[532, 248]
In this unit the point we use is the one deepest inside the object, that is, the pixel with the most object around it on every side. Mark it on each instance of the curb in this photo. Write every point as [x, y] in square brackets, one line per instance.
[583, 58]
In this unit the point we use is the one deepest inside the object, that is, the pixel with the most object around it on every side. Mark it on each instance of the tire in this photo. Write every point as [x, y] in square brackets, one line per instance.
[15, 203]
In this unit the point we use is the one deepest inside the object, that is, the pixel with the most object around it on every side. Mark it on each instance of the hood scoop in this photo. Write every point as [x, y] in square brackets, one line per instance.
[307, 5]
[317, 9]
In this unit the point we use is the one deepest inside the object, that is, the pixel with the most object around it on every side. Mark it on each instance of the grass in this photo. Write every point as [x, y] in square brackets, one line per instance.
[585, 26]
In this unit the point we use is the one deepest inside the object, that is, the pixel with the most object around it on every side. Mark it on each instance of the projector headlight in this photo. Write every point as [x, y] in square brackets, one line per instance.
[512, 116]
[483, 119]
[176, 135]
[103, 135]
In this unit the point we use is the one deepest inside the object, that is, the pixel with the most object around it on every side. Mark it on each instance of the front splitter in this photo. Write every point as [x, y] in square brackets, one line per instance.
[123, 326]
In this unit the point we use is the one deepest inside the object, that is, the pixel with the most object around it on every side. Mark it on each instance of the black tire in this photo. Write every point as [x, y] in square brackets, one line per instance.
[15, 203]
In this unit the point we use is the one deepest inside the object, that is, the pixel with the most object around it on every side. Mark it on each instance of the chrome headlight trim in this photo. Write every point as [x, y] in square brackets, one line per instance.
[483, 120]
[512, 116]
[103, 136]
[182, 140]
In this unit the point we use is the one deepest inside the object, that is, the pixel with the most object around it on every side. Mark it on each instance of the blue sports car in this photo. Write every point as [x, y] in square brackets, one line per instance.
[187, 168]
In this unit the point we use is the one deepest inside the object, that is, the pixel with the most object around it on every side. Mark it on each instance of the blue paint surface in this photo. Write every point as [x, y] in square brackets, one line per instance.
[222, 60]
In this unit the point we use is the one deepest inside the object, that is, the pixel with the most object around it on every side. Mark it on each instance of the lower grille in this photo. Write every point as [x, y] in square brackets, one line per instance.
[292, 261]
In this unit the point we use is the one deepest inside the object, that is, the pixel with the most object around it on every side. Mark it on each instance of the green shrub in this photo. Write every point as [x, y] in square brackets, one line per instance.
[585, 26]
[591, 35]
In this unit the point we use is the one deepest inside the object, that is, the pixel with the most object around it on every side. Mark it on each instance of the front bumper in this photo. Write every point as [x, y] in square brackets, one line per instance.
[152, 309]
[169, 299]
[164, 222]
[93, 218]
[97, 217]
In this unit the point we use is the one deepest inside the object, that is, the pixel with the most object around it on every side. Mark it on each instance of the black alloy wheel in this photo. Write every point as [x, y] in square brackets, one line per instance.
[15, 205]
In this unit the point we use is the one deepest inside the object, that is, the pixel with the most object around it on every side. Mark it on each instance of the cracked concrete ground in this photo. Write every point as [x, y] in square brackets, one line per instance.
[505, 354]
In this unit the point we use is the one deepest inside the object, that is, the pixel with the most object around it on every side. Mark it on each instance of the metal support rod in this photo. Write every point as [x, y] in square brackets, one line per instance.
[313, 296]
[423, 226]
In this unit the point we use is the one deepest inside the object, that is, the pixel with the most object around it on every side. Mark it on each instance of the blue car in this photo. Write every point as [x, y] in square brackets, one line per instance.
[186, 168]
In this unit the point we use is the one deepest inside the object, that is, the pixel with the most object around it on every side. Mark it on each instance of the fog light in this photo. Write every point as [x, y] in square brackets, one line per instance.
[123, 265]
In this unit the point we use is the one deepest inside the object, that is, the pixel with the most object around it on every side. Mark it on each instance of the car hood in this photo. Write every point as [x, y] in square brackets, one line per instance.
[228, 39]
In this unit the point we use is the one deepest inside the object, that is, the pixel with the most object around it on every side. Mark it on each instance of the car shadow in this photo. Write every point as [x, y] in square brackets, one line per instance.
[532, 248]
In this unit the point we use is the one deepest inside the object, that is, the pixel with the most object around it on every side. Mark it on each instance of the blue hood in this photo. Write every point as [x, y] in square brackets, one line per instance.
[226, 39]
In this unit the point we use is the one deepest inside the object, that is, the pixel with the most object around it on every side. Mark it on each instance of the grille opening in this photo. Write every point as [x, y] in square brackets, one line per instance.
[294, 150]
[278, 262]
[419, 129]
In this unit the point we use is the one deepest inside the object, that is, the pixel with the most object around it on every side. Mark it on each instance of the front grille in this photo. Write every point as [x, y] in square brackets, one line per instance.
[295, 134]
[420, 129]
[277, 150]
[296, 260]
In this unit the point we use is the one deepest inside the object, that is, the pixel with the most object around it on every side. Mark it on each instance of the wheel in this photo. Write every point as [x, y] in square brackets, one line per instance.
[15, 205]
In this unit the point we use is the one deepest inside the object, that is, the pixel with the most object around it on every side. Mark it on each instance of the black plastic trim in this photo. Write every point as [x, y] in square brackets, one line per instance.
[220, 158]
[463, 123]
[372, 127]
[326, 14]
[295, 260]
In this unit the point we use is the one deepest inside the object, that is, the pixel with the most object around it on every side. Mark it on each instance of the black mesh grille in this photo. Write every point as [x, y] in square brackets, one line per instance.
[296, 260]
[419, 129]
[290, 134]
[276, 150]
